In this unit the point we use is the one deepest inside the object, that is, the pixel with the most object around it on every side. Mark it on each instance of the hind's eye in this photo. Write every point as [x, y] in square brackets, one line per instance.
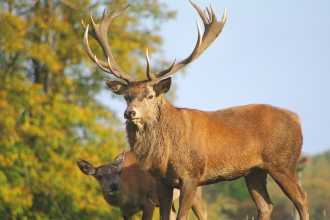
[119, 172]
[125, 97]
[150, 96]
[98, 177]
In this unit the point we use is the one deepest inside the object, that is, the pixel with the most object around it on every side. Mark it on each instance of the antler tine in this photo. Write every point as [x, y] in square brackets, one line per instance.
[150, 76]
[88, 50]
[212, 28]
[99, 33]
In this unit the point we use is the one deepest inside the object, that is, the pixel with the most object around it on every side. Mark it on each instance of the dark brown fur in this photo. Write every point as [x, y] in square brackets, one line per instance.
[136, 188]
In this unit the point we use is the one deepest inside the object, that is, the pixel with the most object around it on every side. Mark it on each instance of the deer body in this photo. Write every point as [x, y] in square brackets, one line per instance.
[223, 145]
[126, 185]
[186, 148]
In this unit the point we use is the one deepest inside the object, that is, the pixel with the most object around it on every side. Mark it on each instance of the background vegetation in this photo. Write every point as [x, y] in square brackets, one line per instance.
[48, 112]
[49, 115]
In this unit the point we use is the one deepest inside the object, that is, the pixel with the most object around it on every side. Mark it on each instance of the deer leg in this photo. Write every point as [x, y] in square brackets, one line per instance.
[148, 211]
[126, 217]
[197, 205]
[165, 195]
[187, 194]
[288, 183]
[256, 184]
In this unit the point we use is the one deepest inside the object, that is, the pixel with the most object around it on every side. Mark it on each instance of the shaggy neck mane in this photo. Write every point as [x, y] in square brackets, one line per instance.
[151, 143]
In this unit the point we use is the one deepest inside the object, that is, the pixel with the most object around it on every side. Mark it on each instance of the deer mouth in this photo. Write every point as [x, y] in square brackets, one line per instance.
[113, 193]
[133, 120]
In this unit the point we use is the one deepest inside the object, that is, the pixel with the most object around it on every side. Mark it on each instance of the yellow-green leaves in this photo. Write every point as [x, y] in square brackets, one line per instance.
[48, 112]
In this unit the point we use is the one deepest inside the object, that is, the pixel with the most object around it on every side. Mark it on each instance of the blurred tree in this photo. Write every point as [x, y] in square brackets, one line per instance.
[219, 208]
[316, 179]
[229, 199]
[48, 112]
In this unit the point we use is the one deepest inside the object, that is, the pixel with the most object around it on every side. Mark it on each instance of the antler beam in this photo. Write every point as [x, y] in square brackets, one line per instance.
[99, 33]
[212, 28]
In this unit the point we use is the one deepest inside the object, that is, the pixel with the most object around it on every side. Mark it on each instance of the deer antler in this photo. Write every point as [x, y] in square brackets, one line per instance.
[212, 29]
[99, 33]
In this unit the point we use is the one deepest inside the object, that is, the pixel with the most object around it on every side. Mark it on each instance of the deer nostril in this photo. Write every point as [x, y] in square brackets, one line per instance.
[129, 114]
[114, 187]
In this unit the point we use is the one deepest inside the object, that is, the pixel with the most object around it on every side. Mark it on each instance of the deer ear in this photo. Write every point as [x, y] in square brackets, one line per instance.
[120, 159]
[86, 167]
[163, 86]
[116, 87]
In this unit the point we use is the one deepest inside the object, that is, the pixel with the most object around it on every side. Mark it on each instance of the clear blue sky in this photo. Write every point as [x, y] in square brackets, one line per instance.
[273, 52]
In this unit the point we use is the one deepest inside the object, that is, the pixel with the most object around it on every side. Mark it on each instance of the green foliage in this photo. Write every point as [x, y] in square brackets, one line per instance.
[236, 189]
[48, 112]
[226, 199]
[315, 180]
[217, 209]
[41, 138]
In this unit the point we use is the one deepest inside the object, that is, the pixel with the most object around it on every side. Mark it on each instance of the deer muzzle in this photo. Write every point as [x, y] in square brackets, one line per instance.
[114, 189]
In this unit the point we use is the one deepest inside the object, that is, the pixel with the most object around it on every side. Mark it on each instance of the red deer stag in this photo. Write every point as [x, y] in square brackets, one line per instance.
[126, 185]
[185, 148]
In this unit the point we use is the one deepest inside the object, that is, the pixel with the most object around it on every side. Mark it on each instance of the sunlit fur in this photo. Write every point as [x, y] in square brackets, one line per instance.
[151, 144]
[187, 147]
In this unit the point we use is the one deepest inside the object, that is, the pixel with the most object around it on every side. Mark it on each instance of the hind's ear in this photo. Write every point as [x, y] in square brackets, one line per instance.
[86, 167]
[163, 86]
[120, 159]
[116, 87]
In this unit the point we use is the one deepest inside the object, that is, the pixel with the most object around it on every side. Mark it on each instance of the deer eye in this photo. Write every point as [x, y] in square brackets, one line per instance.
[119, 172]
[98, 177]
[125, 97]
[150, 96]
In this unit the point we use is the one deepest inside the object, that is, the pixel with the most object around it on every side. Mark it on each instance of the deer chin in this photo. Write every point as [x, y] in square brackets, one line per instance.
[136, 121]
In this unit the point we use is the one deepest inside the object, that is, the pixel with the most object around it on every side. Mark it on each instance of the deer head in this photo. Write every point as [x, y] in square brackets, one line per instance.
[143, 97]
[108, 176]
